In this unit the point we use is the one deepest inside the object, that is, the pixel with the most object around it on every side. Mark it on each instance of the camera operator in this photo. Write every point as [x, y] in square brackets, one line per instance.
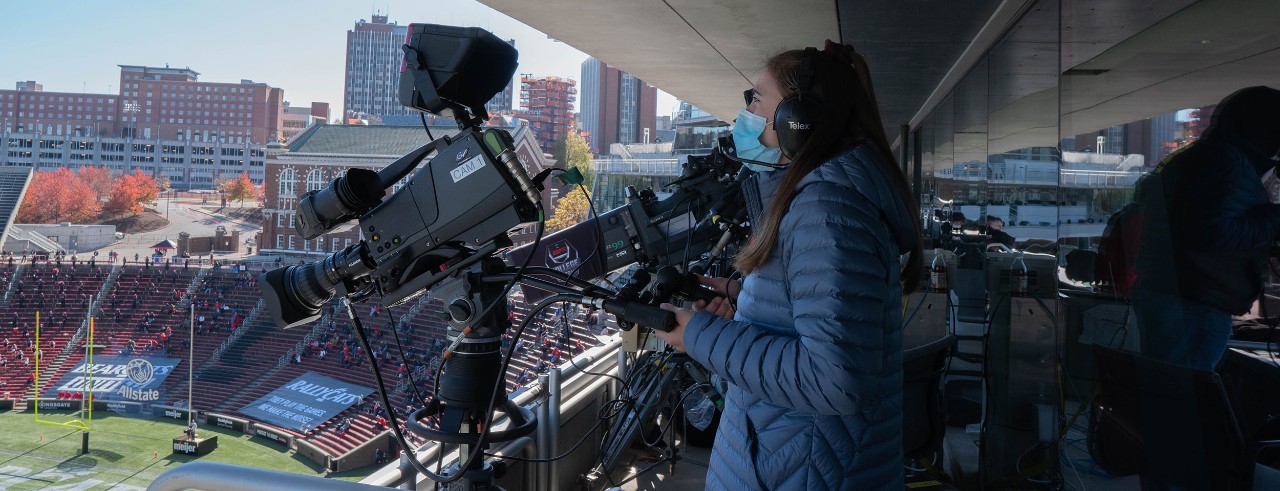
[1206, 226]
[814, 350]
[995, 229]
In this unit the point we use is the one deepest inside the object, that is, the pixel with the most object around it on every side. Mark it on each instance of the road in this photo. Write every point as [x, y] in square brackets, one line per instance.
[185, 215]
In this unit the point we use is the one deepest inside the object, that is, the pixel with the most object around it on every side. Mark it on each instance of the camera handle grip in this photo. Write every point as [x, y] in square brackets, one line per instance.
[645, 315]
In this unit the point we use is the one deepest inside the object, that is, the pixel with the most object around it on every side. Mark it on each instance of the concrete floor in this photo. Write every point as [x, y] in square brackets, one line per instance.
[688, 473]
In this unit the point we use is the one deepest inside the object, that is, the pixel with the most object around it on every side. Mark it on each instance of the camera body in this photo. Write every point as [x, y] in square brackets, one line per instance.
[463, 198]
[459, 208]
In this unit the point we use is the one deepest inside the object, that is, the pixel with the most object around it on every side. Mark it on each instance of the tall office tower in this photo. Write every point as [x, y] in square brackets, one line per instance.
[501, 102]
[548, 106]
[373, 69]
[617, 107]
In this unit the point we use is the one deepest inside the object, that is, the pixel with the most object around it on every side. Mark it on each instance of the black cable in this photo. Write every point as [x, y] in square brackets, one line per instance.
[685, 395]
[688, 242]
[574, 363]
[599, 420]
[928, 281]
[395, 332]
[424, 125]
[386, 402]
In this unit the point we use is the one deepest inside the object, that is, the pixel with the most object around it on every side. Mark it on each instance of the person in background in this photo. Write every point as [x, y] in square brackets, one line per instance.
[813, 351]
[995, 229]
[1207, 224]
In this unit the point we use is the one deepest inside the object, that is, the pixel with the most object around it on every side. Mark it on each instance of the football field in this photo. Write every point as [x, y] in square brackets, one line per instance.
[124, 453]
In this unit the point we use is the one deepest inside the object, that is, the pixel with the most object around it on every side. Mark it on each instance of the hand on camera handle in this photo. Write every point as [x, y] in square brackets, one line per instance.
[719, 306]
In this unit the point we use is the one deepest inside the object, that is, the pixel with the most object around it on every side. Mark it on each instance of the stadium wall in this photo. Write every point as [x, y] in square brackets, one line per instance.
[363, 455]
[312, 452]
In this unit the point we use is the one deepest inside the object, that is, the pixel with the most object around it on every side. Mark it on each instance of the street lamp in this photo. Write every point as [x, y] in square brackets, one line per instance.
[131, 108]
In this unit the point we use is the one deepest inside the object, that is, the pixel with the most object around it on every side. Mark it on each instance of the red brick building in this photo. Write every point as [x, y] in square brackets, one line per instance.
[616, 107]
[153, 103]
[30, 109]
[172, 103]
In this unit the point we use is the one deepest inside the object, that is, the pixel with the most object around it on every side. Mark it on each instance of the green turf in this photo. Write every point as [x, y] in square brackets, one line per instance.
[121, 453]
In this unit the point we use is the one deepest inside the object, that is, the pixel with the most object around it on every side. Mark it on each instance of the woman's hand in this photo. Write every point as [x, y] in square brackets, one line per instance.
[718, 306]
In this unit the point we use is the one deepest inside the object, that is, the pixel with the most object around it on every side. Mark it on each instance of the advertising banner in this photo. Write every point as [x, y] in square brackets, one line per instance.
[575, 250]
[306, 402]
[136, 379]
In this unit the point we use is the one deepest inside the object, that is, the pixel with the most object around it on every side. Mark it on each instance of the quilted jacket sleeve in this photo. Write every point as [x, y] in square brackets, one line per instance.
[833, 248]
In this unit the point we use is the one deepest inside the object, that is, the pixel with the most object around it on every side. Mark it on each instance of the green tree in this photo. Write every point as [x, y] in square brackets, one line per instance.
[570, 210]
[571, 150]
[578, 155]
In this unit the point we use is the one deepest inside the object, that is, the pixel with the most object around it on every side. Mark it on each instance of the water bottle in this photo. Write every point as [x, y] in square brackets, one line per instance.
[1018, 277]
[938, 273]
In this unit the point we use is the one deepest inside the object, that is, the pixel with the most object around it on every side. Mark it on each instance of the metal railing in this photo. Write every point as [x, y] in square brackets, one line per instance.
[641, 167]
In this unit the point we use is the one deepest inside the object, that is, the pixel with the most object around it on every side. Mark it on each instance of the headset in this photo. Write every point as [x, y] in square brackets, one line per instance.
[796, 115]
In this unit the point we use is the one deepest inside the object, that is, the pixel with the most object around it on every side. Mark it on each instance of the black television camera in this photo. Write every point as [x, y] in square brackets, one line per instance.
[669, 235]
[443, 229]
[463, 204]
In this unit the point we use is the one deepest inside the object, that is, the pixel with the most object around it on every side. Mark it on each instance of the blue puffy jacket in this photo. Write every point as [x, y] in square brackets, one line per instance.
[814, 354]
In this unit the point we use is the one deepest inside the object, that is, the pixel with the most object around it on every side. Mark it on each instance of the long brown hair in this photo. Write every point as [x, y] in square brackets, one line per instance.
[851, 116]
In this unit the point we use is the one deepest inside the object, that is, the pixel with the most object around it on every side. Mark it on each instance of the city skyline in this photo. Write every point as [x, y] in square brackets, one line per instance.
[291, 44]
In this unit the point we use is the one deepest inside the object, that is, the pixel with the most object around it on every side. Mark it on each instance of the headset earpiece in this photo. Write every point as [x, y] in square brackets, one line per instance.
[797, 114]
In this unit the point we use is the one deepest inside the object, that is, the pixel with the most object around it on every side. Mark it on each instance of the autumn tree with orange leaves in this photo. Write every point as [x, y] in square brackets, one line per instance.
[58, 196]
[100, 179]
[240, 188]
[131, 192]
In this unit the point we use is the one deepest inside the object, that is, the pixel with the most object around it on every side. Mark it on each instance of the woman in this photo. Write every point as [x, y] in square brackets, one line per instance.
[814, 351]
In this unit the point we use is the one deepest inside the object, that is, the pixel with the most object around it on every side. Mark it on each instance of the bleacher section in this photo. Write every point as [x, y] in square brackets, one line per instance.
[13, 185]
[224, 300]
[60, 293]
[264, 357]
[145, 311]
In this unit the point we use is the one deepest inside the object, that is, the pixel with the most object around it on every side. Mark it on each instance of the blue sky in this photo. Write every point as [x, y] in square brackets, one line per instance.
[299, 46]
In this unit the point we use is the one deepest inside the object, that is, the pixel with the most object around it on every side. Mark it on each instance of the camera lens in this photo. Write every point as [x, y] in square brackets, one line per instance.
[295, 294]
[349, 195]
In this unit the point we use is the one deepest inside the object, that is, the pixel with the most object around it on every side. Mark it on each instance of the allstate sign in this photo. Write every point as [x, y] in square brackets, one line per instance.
[118, 378]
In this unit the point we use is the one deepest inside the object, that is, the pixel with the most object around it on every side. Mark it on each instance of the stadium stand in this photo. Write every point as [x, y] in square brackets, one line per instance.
[239, 355]
[13, 185]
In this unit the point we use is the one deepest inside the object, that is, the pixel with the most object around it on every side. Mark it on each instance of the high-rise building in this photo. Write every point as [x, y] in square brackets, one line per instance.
[617, 107]
[501, 102]
[153, 103]
[373, 69]
[548, 106]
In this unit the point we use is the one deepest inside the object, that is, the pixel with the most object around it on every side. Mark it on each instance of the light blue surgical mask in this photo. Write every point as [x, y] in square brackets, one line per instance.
[746, 142]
